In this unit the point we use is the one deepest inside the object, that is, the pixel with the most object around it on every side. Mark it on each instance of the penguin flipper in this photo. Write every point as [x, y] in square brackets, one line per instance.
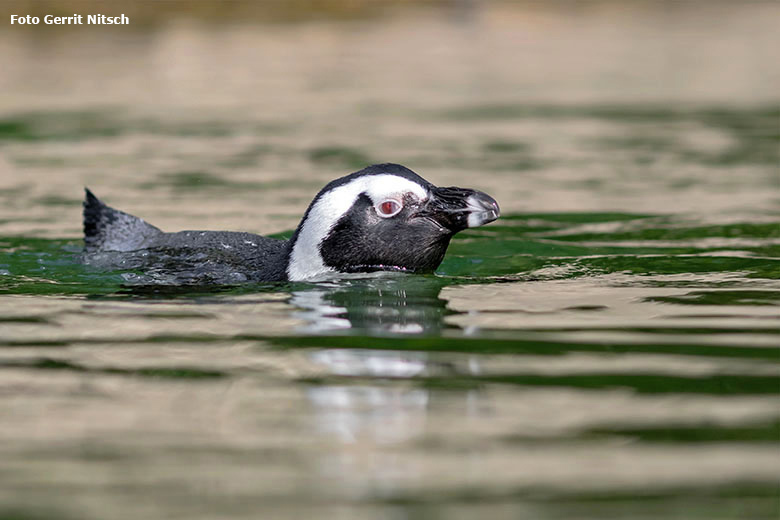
[108, 229]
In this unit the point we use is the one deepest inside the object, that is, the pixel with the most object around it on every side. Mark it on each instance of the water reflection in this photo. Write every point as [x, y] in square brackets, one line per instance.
[366, 404]
[382, 414]
[387, 304]
[372, 363]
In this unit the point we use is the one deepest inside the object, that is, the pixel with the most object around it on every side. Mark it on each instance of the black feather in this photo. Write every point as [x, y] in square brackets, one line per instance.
[108, 229]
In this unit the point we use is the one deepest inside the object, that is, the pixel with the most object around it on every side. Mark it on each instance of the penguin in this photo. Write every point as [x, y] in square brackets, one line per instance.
[382, 218]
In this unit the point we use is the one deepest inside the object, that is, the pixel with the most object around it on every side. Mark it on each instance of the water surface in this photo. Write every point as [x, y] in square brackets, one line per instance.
[608, 348]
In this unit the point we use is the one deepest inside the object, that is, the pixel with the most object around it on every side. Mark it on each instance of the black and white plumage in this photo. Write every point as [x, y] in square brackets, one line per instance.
[382, 218]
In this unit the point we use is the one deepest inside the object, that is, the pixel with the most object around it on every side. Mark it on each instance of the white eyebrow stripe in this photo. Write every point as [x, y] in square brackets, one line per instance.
[305, 259]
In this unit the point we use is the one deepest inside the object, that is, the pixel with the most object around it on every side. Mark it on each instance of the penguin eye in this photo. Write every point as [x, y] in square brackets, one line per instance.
[388, 208]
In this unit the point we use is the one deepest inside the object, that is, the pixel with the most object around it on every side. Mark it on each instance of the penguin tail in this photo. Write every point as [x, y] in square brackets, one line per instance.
[108, 229]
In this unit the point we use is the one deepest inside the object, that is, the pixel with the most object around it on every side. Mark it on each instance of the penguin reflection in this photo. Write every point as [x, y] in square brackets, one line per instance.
[385, 304]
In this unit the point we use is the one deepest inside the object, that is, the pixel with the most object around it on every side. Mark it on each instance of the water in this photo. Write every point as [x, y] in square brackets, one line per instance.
[607, 349]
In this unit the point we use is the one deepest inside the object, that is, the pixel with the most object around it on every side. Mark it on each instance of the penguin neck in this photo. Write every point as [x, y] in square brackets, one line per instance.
[303, 259]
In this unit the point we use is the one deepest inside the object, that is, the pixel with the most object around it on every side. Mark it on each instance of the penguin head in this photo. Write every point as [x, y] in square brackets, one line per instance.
[383, 218]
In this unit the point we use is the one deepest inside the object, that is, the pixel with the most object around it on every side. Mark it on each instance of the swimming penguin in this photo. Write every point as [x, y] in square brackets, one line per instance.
[382, 218]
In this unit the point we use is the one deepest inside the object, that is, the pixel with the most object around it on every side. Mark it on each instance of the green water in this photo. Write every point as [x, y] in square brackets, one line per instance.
[607, 349]
[419, 368]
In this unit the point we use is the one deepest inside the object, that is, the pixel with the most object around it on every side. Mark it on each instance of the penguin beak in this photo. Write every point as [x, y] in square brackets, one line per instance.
[459, 208]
